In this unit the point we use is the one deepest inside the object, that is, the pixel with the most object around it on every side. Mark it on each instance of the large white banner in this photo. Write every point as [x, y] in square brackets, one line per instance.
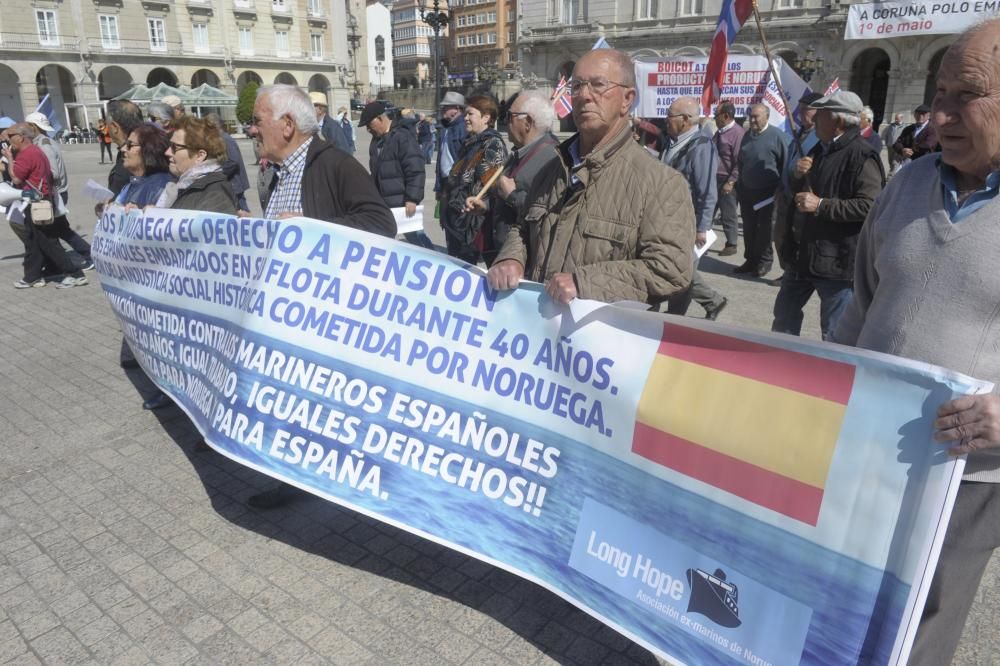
[880, 20]
[748, 82]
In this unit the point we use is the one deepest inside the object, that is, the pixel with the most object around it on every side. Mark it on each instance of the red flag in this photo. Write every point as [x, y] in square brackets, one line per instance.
[734, 14]
[561, 98]
[833, 87]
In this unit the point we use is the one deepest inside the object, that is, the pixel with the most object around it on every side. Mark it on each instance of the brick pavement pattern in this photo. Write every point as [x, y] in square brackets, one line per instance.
[119, 544]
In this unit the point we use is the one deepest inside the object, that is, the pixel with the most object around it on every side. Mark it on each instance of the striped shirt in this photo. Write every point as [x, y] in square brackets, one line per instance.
[287, 194]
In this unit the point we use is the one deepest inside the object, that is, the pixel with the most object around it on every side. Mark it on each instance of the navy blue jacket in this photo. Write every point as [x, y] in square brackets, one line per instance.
[454, 135]
[397, 165]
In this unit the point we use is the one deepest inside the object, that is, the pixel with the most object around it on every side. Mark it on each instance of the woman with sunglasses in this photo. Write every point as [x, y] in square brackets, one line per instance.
[196, 153]
[149, 169]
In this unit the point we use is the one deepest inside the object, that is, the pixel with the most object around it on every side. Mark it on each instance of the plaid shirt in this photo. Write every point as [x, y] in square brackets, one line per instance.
[287, 194]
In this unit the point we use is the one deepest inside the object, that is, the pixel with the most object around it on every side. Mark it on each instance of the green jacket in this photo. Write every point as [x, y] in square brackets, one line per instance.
[625, 232]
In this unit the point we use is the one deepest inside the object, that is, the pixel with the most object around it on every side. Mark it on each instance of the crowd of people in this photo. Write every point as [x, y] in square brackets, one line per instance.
[898, 256]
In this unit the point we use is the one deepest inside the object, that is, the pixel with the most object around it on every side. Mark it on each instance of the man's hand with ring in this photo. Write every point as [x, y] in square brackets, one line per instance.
[807, 202]
[972, 422]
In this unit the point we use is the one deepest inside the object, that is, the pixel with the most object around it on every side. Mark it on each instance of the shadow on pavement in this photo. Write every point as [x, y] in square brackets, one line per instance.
[338, 534]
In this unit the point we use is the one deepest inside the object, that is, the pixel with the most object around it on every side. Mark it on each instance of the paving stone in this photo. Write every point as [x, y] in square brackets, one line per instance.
[59, 646]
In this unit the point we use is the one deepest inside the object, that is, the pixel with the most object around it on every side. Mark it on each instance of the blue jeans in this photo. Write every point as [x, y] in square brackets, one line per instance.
[797, 289]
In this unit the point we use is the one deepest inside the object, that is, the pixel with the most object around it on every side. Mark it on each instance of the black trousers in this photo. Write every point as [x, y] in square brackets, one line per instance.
[105, 147]
[42, 245]
[757, 226]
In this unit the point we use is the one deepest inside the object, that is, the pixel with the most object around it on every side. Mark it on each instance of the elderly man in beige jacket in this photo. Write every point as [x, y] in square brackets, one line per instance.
[605, 222]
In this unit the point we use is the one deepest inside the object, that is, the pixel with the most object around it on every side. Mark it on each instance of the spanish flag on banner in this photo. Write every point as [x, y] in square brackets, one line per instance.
[757, 421]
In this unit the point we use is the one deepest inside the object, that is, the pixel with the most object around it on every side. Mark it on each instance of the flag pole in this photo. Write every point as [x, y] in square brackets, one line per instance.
[774, 77]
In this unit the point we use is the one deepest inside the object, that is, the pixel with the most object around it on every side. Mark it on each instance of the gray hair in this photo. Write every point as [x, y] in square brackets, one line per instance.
[867, 112]
[689, 106]
[291, 101]
[538, 107]
[849, 119]
[160, 111]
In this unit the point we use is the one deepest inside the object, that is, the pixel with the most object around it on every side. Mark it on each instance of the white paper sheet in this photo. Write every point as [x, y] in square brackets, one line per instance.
[710, 238]
[97, 192]
[405, 225]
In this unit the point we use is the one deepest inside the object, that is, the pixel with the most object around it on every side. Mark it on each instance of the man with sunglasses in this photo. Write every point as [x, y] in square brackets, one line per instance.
[602, 222]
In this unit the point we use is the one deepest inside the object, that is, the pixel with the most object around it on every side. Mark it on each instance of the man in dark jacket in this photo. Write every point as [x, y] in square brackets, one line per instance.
[314, 178]
[396, 164]
[762, 157]
[917, 139]
[329, 128]
[451, 135]
[834, 185]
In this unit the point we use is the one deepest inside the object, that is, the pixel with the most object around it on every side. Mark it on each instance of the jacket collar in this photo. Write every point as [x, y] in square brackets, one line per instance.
[597, 158]
[315, 149]
[843, 140]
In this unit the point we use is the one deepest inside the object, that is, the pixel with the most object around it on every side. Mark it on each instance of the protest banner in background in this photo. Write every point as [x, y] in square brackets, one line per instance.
[748, 82]
[720, 496]
[882, 20]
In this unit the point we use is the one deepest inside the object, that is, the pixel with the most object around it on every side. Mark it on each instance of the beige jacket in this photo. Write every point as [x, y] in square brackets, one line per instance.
[625, 232]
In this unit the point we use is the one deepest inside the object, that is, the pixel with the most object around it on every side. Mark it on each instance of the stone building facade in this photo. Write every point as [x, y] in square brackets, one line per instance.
[83, 52]
[891, 75]
[481, 43]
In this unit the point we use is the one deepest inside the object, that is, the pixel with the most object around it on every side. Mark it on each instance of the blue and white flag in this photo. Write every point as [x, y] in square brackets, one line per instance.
[46, 107]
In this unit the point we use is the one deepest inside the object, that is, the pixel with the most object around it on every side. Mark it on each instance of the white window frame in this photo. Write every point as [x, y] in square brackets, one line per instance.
[49, 35]
[316, 40]
[279, 6]
[245, 49]
[108, 24]
[279, 48]
[491, 38]
[693, 7]
[157, 35]
[202, 29]
[491, 17]
[461, 40]
[648, 9]
[790, 4]
[314, 7]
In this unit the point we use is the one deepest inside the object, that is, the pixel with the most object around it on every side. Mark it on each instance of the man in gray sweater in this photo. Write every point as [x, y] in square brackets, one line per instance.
[926, 288]
[762, 158]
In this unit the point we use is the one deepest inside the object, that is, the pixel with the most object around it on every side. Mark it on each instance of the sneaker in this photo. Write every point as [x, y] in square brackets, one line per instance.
[21, 284]
[68, 282]
[88, 265]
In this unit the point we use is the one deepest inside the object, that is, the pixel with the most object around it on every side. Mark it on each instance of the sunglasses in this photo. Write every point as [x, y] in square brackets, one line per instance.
[177, 146]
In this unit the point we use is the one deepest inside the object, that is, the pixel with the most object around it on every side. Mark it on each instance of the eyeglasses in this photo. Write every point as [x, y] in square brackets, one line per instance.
[677, 115]
[598, 86]
[177, 146]
[128, 145]
[512, 114]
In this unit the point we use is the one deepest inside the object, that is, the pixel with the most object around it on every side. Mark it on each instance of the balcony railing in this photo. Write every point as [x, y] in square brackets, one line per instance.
[146, 47]
[26, 41]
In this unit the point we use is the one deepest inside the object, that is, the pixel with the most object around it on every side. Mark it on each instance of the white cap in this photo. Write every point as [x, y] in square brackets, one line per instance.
[39, 120]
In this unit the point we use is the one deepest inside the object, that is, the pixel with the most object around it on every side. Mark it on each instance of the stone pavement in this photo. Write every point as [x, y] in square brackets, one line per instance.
[121, 545]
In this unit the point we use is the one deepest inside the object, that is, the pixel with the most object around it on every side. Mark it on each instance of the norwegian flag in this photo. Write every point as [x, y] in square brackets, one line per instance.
[561, 98]
[833, 87]
[734, 14]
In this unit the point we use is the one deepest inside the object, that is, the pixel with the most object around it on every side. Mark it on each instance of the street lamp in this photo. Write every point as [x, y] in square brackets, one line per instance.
[379, 71]
[437, 20]
[810, 64]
